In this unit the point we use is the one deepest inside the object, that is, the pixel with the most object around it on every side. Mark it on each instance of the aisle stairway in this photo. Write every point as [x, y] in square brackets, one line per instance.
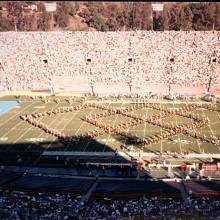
[183, 193]
[86, 197]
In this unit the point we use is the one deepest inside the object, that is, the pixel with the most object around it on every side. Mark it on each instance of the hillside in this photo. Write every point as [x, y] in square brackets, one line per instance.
[109, 16]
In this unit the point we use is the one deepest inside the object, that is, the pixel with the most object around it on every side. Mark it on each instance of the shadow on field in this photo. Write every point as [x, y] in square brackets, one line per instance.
[128, 142]
[87, 155]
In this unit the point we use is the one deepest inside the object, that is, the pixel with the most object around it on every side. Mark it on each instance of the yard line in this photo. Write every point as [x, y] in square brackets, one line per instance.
[161, 144]
[16, 114]
[35, 162]
[89, 141]
[26, 130]
[209, 123]
[145, 123]
[178, 134]
[218, 114]
[196, 138]
[69, 121]
[21, 121]
[22, 136]
[116, 117]
[42, 132]
[80, 128]
[82, 125]
[86, 144]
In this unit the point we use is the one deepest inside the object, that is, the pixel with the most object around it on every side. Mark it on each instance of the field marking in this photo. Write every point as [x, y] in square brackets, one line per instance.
[15, 115]
[218, 114]
[198, 141]
[89, 141]
[12, 130]
[213, 124]
[74, 115]
[43, 106]
[178, 134]
[145, 123]
[42, 132]
[219, 118]
[26, 130]
[87, 144]
[81, 127]
[161, 144]
[128, 130]
[48, 146]
[18, 124]
[35, 140]
[82, 123]
[115, 120]
[209, 125]
[116, 117]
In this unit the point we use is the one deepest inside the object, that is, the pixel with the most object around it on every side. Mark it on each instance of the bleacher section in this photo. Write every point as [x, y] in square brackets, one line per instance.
[51, 184]
[202, 188]
[113, 188]
[74, 61]
[8, 177]
[134, 188]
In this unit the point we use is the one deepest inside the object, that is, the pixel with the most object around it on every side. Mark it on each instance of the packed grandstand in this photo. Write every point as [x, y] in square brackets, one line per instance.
[73, 61]
[109, 125]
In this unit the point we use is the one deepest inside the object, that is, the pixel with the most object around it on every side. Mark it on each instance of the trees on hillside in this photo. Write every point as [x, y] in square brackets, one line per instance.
[14, 13]
[43, 22]
[110, 16]
[200, 16]
[61, 16]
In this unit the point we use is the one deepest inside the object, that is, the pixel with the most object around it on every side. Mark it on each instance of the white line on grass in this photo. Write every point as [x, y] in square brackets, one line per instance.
[116, 118]
[70, 122]
[15, 115]
[178, 134]
[48, 146]
[18, 124]
[208, 124]
[107, 139]
[161, 143]
[43, 132]
[26, 130]
[57, 125]
[218, 114]
[84, 122]
[198, 143]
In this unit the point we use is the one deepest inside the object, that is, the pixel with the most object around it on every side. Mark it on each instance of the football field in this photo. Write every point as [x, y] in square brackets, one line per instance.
[18, 137]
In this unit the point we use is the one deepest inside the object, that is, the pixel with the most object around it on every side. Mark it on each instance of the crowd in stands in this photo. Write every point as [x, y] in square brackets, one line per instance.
[20, 205]
[38, 60]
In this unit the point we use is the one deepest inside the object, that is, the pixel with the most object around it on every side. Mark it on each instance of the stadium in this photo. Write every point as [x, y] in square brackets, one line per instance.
[110, 125]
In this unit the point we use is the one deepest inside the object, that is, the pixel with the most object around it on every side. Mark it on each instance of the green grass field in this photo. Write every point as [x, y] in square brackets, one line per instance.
[17, 136]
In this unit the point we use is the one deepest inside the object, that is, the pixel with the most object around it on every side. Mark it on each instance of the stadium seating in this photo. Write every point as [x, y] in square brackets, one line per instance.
[37, 61]
[51, 184]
